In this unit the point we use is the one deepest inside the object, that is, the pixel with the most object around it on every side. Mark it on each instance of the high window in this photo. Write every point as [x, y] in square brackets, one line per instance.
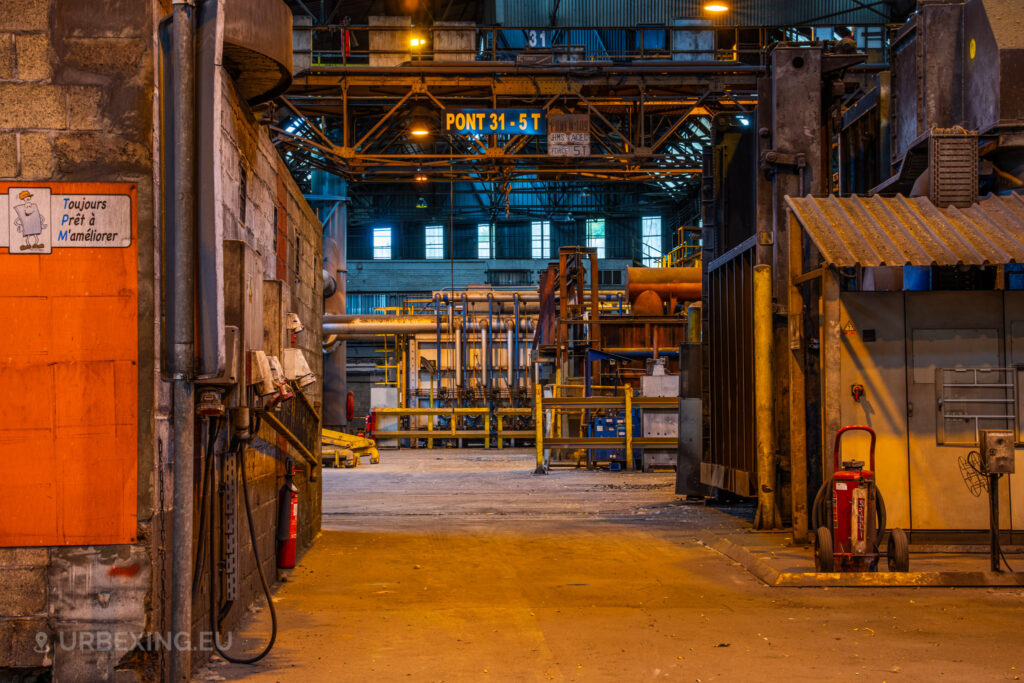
[484, 241]
[541, 232]
[651, 241]
[595, 235]
[382, 244]
[434, 237]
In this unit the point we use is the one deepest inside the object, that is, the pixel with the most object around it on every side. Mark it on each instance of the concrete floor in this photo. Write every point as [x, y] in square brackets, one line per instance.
[460, 565]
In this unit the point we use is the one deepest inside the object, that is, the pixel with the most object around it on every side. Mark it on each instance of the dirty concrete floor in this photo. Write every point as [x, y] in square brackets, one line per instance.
[460, 565]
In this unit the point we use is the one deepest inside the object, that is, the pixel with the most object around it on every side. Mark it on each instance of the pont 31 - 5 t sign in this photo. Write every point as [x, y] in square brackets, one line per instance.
[495, 122]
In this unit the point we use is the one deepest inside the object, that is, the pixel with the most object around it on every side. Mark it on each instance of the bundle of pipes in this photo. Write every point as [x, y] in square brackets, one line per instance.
[350, 327]
[650, 288]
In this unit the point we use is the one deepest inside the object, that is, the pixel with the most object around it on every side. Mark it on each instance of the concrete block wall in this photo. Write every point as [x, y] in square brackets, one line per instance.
[76, 87]
[78, 93]
[286, 235]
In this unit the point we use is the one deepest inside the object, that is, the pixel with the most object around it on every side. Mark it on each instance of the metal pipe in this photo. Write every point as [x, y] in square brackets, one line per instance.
[345, 326]
[437, 362]
[490, 329]
[184, 240]
[693, 328]
[465, 333]
[515, 361]
[484, 369]
[451, 340]
[508, 354]
[458, 357]
[767, 515]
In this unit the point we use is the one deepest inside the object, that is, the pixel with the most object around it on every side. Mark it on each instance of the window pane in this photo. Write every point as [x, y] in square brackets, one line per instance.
[434, 239]
[595, 235]
[483, 241]
[382, 243]
[541, 232]
[650, 244]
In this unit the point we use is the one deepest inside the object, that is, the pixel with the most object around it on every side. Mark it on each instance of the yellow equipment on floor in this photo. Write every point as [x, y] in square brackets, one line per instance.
[346, 450]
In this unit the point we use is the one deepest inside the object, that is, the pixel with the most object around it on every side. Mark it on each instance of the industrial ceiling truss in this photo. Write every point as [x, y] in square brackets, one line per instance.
[643, 127]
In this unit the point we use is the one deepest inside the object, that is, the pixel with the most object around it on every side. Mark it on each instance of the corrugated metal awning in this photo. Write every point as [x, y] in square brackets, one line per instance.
[901, 231]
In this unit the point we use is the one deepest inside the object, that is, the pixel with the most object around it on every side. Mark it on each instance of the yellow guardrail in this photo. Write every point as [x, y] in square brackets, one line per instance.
[625, 402]
[430, 434]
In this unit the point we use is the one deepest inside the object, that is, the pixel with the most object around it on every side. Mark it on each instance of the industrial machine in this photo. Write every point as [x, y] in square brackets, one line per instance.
[857, 512]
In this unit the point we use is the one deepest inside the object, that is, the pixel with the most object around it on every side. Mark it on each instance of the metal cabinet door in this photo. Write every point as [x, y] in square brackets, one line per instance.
[874, 357]
[946, 330]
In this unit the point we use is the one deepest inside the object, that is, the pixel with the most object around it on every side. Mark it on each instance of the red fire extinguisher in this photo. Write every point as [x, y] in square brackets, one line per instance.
[287, 520]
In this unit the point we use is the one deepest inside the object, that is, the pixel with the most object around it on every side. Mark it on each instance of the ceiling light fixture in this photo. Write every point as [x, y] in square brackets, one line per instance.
[716, 7]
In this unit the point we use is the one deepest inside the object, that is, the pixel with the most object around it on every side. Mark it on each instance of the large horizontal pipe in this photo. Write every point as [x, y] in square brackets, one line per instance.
[667, 283]
[649, 275]
[683, 291]
[412, 324]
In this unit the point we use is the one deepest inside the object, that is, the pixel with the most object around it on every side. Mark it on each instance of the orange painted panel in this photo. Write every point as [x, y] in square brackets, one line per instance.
[31, 406]
[31, 340]
[84, 394]
[30, 483]
[68, 364]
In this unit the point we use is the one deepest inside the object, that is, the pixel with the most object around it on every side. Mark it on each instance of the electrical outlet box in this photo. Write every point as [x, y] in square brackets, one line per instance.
[231, 361]
[243, 294]
[997, 450]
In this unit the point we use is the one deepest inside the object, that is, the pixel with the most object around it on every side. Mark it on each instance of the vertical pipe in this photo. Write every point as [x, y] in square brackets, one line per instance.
[490, 347]
[538, 421]
[509, 334]
[629, 427]
[693, 313]
[485, 369]
[458, 357]
[767, 516]
[183, 236]
[515, 366]
[465, 334]
[451, 339]
[437, 362]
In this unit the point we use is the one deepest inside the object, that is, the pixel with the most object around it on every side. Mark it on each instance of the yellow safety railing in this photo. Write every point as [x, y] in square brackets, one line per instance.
[625, 402]
[430, 434]
[501, 414]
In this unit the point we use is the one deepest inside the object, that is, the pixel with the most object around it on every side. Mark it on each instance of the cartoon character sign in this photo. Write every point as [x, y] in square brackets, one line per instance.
[30, 225]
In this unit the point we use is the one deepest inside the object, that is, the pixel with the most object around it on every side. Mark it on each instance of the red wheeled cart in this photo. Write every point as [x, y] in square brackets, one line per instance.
[848, 531]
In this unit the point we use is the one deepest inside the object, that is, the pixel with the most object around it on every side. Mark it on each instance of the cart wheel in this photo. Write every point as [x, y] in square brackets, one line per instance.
[899, 551]
[824, 560]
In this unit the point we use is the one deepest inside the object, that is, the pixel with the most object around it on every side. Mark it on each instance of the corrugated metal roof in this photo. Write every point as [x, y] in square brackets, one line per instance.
[897, 231]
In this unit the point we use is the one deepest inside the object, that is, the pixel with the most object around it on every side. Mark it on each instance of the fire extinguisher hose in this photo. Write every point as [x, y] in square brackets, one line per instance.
[239, 447]
[820, 516]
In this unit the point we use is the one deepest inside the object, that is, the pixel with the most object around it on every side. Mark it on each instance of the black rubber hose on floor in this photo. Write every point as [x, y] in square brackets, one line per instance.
[239, 447]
